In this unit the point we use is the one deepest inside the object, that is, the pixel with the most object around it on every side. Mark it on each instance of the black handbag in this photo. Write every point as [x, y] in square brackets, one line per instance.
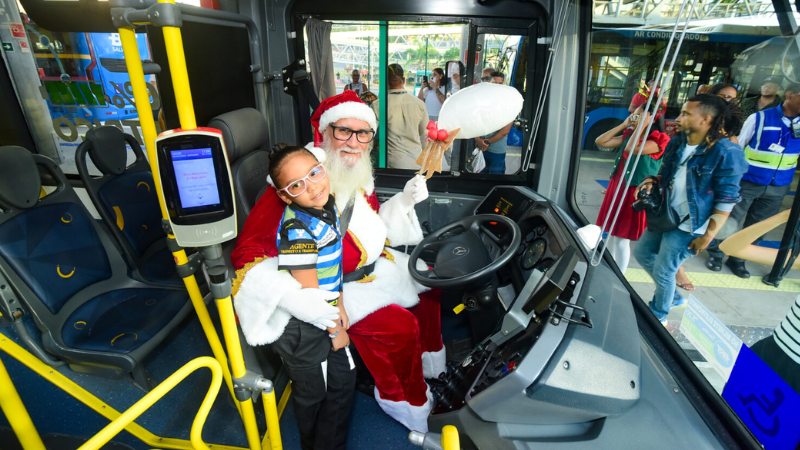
[662, 218]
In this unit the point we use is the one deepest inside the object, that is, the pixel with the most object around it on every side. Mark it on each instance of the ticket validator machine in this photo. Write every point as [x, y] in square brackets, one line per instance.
[197, 187]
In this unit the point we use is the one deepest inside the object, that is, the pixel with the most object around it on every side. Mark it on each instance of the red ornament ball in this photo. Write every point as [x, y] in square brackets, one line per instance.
[442, 135]
[432, 134]
[431, 125]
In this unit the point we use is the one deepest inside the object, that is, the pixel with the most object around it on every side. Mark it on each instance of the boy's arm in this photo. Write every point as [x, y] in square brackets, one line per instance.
[306, 277]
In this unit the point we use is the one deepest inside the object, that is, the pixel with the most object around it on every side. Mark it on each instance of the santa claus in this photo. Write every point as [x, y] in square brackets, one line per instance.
[395, 324]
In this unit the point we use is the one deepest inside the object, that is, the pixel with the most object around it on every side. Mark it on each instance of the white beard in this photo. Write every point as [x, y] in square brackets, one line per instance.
[346, 180]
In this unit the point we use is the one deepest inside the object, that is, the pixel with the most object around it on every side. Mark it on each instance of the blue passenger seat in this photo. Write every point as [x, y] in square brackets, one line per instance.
[126, 199]
[68, 274]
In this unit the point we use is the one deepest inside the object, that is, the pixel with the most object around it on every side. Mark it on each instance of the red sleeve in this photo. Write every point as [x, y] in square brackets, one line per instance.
[626, 132]
[372, 199]
[638, 100]
[257, 239]
[661, 139]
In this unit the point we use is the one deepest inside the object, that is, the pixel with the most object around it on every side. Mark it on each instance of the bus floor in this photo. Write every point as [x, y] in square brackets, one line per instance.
[750, 308]
[54, 412]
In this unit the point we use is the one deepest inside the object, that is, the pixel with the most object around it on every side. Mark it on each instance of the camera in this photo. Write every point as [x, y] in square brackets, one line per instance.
[649, 201]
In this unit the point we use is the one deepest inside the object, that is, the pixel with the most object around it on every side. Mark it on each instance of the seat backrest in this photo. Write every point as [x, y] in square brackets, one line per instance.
[52, 244]
[125, 196]
[247, 142]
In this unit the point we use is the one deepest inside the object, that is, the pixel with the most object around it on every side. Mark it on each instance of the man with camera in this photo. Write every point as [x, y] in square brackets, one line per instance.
[771, 143]
[695, 191]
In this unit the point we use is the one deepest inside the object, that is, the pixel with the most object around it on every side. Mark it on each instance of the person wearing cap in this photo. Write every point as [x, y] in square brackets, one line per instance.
[406, 122]
[769, 98]
[771, 151]
[394, 322]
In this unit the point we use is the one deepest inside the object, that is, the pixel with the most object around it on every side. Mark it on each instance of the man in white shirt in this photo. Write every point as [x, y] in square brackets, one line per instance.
[702, 169]
[405, 124]
[357, 85]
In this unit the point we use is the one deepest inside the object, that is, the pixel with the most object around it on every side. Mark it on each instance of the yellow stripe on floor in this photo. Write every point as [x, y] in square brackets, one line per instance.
[720, 280]
[598, 160]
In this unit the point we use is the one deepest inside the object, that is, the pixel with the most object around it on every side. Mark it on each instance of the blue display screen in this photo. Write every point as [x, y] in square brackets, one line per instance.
[196, 177]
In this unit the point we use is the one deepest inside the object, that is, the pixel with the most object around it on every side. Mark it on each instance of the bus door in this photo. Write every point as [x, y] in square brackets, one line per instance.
[506, 50]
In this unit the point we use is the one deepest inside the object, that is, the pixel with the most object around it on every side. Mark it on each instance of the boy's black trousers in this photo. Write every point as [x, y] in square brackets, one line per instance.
[323, 415]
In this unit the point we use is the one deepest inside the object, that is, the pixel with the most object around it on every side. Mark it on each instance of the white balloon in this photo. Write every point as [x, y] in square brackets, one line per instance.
[480, 109]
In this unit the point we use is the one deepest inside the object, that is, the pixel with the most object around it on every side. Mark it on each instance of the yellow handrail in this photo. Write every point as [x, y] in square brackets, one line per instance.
[450, 438]
[17, 415]
[90, 400]
[118, 424]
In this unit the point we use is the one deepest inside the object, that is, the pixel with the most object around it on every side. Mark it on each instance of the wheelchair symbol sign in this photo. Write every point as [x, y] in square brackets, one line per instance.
[764, 402]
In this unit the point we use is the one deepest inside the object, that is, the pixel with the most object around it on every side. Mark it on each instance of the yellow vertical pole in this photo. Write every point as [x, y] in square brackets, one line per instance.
[130, 49]
[273, 420]
[173, 42]
[450, 438]
[226, 317]
[17, 415]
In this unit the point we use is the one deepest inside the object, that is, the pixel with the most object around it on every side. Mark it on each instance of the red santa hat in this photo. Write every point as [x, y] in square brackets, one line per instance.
[346, 105]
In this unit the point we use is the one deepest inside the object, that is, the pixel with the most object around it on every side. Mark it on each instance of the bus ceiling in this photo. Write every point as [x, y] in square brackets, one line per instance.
[94, 16]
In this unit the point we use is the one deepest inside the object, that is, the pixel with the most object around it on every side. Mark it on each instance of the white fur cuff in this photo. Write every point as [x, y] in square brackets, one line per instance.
[415, 418]
[256, 302]
[402, 225]
[433, 363]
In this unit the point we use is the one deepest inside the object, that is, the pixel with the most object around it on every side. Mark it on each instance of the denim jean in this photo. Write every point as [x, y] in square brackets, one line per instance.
[661, 255]
[495, 163]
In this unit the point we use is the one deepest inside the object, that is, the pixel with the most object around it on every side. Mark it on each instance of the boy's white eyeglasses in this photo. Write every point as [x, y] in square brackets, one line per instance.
[297, 187]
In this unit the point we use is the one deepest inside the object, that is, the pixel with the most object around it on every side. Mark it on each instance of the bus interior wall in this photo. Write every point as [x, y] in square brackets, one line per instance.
[218, 63]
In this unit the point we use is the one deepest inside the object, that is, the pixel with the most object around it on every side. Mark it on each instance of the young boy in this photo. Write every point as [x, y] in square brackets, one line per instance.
[310, 248]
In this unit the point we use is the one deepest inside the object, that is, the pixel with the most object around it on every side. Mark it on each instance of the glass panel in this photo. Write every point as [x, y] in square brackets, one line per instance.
[501, 59]
[74, 82]
[420, 53]
[732, 45]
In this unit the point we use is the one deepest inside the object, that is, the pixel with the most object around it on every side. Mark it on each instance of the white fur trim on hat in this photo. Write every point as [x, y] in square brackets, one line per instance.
[348, 110]
[316, 151]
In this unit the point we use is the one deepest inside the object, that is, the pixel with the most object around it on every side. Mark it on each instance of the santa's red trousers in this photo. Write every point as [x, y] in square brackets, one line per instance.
[391, 341]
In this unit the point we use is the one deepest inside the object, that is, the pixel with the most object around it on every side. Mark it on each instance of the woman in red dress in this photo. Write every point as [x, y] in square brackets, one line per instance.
[630, 224]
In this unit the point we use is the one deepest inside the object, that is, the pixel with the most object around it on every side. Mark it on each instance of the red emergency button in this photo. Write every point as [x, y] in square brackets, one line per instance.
[511, 365]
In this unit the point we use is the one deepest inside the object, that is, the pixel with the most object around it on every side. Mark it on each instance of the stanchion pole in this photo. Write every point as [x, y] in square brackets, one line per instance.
[17, 415]
[183, 98]
[133, 62]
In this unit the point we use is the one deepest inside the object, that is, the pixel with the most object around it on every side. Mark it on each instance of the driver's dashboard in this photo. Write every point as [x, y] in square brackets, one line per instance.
[542, 240]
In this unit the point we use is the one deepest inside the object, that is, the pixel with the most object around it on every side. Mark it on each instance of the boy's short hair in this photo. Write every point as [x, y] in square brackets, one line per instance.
[280, 153]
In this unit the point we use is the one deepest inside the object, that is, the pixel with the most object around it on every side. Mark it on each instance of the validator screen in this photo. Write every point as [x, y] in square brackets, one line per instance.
[196, 177]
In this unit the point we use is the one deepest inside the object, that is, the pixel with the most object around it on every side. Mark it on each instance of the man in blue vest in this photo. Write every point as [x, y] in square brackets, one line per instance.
[771, 143]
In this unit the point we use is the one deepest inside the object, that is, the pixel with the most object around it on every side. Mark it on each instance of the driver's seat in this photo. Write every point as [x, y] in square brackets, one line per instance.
[247, 142]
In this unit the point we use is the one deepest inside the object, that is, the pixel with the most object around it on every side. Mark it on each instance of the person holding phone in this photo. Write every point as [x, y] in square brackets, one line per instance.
[630, 224]
[432, 93]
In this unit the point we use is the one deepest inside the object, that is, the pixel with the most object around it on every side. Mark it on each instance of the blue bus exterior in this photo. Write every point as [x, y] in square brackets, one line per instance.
[92, 82]
[607, 107]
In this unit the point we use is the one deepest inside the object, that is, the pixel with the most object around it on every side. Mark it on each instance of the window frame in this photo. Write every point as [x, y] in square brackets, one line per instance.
[463, 183]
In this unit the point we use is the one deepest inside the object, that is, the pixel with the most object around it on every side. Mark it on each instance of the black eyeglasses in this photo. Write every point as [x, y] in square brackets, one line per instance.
[344, 134]
[486, 78]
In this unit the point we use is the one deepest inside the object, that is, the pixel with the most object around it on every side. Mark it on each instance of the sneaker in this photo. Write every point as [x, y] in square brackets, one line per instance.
[680, 303]
[664, 322]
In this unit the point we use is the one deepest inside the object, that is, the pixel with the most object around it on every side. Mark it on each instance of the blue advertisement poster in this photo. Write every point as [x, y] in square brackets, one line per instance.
[764, 402]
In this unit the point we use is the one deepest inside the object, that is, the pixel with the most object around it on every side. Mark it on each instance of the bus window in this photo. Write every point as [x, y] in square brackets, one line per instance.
[81, 82]
[507, 55]
[421, 52]
[622, 65]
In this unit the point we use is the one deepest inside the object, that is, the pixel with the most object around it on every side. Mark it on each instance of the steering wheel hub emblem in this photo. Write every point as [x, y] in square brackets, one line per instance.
[460, 251]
